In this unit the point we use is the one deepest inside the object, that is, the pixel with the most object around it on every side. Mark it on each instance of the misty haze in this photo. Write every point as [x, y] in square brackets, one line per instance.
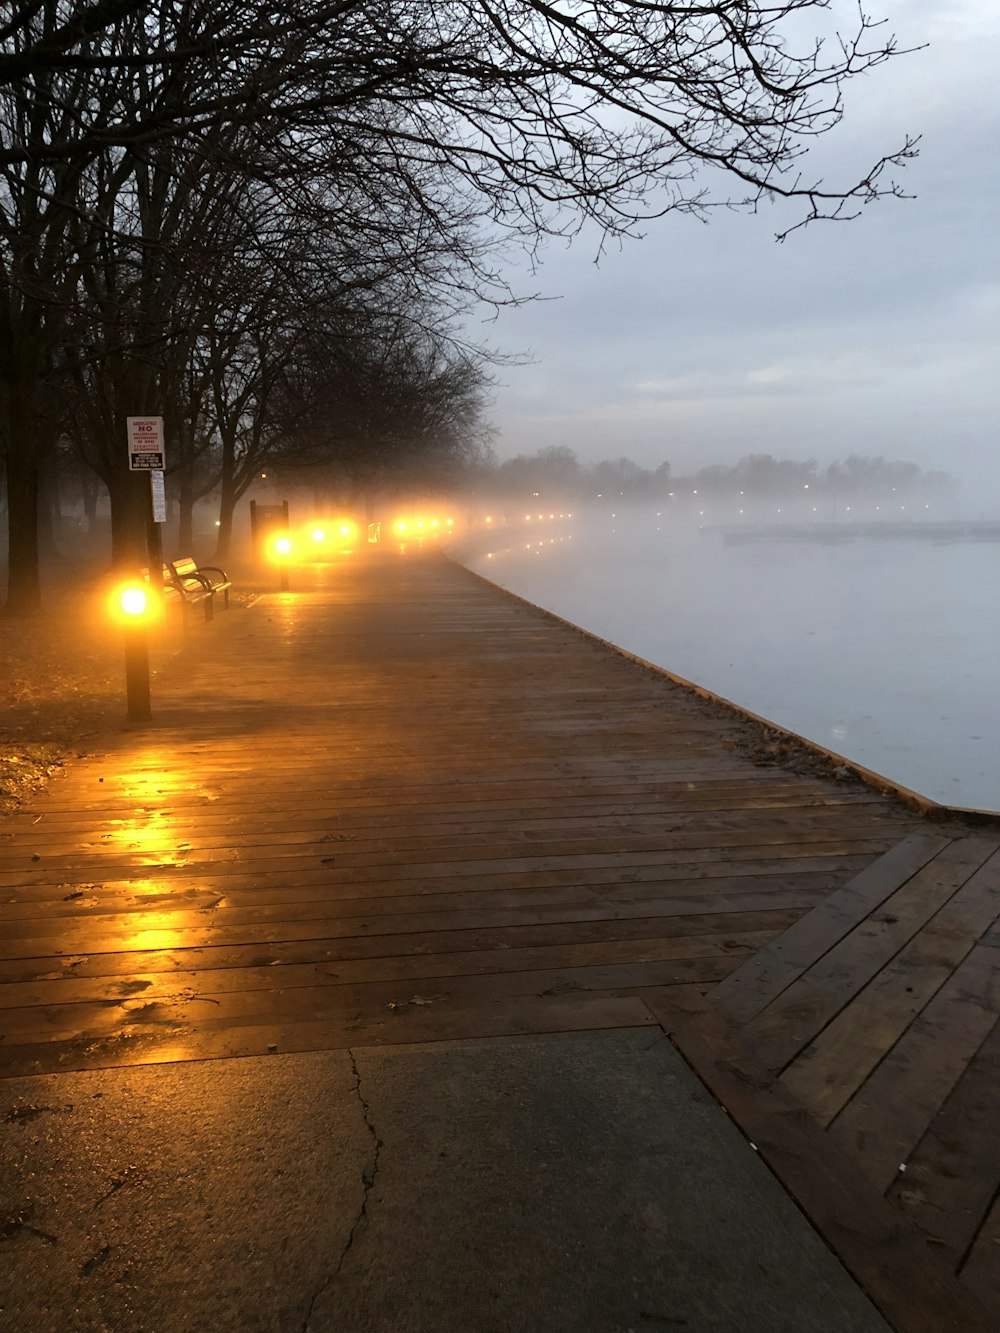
[882, 648]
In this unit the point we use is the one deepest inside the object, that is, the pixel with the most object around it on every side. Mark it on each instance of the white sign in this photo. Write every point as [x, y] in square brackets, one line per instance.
[159, 494]
[145, 444]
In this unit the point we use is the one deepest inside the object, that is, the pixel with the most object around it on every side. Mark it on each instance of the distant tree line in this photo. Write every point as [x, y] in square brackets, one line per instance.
[555, 472]
[264, 222]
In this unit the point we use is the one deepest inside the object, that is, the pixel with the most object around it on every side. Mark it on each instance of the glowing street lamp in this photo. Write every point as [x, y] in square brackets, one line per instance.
[134, 606]
[281, 549]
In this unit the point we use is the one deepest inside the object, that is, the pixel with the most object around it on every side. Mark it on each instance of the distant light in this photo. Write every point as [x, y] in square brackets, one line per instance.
[805, 486]
[527, 518]
[552, 516]
[535, 494]
[283, 545]
[694, 492]
[449, 523]
[420, 523]
[318, 535]
[345, 530]
[740, 511]
[435, 524]
[670, 494]
[218, 522]
[488, 519]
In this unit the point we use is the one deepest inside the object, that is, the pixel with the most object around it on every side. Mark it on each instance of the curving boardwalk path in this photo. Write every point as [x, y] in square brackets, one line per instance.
[396, 807]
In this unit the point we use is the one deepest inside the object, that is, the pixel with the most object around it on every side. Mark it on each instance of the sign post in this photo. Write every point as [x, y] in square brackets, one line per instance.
[146, 454]
[145, 444]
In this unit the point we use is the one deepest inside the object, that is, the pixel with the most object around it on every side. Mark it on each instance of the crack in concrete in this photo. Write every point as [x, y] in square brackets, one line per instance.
[368, 1178]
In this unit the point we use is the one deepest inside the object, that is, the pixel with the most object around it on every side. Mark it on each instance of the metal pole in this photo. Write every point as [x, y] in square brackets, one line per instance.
[137, 674]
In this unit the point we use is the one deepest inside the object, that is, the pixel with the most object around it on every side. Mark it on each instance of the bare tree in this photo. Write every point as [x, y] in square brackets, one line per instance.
[129, 130]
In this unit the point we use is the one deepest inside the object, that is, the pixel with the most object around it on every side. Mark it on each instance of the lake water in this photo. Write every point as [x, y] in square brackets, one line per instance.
[886, 651]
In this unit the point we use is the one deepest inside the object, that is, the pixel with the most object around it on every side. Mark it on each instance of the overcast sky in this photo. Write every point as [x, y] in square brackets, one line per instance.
[699, 343]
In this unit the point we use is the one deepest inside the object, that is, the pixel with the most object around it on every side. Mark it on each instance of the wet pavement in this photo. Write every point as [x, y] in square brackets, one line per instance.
[578, 1182]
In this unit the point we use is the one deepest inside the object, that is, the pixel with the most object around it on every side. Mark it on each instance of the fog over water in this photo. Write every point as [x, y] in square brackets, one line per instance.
[884, 650]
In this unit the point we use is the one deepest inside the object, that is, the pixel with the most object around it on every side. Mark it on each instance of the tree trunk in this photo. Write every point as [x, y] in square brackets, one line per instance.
[24, 588]
[89, 491]
[185, 515]
[129, 493]
[49, 507]
[227, 508]
[228, 496]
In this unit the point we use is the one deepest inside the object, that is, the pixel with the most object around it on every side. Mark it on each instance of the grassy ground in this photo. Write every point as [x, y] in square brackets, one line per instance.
[62, 680]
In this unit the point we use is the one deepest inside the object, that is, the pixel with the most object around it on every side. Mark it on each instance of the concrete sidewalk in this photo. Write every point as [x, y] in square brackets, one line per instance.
[574, 1183]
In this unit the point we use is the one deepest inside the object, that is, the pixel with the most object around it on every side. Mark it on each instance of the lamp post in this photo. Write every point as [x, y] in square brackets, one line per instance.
[281, 552]
[133, 607]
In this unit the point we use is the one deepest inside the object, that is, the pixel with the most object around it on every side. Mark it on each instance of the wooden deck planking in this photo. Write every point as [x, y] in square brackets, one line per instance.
[431, 811]
[835, 1064]
[952, 1177]
[884, 1120]
[879, 1011]
[777, 967]
[419, 775]
[980, 1270]
[782, 1030]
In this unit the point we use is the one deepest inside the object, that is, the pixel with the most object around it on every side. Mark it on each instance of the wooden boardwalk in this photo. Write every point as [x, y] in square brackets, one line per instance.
[421, 809]
[877, 1014]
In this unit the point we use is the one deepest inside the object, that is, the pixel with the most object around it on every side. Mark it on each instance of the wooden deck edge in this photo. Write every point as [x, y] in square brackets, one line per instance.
[886, 1254]
[931, 809]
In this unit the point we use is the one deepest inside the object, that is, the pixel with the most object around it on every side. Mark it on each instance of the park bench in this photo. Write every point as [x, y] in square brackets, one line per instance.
[194, 583]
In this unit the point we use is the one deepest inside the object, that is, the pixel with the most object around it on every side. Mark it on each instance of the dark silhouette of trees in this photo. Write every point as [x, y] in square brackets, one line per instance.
[755, 476]
[167, 171]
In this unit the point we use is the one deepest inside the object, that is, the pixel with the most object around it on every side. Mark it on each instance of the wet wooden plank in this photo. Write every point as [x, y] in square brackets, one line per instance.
[174, 930]
[620, 848]
[269, 894]
[763, 978]
[953, 1175]
[787, 1025]
[406, 807]
[173, 955]
[362, 962]
[296, 836]
[886, 1117]
[981, 1270]
[517, 1016]
[203, 1011]
[836, 1063]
